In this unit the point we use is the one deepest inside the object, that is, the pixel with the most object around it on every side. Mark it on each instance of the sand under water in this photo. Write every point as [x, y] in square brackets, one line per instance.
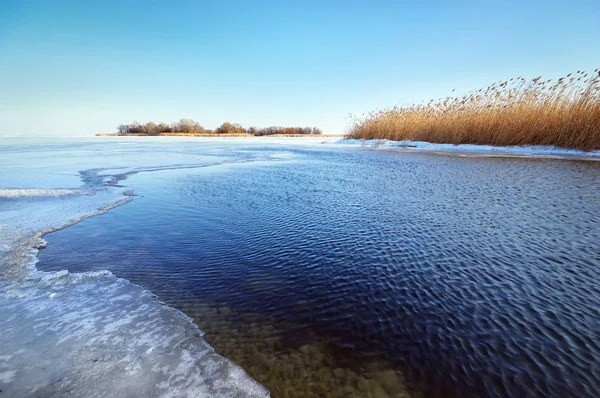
[293, 363]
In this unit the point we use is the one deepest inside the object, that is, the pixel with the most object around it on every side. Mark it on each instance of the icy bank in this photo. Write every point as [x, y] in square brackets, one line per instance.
[476, 150]
[93, 334]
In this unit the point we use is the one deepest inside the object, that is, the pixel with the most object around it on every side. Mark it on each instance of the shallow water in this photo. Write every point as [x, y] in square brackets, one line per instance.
[336, 271]
[92, 334]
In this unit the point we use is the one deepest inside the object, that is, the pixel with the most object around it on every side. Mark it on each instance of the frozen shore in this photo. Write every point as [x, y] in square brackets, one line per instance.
[92, 334]
[475, 150]
[407, 146]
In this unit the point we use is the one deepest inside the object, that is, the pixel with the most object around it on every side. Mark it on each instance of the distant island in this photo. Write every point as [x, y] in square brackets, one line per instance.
[188, 127]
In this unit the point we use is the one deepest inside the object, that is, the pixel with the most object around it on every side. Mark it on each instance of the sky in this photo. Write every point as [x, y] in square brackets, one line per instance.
[82, 67]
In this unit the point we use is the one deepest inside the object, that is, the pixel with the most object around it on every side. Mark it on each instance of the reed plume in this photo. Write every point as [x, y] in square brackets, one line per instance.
[563, 113]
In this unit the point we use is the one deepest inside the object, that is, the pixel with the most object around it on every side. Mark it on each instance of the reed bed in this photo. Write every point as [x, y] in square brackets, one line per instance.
[562, 113]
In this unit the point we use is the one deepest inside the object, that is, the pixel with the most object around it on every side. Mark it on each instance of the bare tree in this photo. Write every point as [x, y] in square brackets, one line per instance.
[123, 129]
[188, 126]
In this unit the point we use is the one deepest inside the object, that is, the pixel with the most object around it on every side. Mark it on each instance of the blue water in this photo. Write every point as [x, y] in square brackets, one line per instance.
[92, 334]
[470, 276]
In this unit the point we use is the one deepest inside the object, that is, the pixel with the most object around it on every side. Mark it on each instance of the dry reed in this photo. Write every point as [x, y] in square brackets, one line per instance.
[563, 113]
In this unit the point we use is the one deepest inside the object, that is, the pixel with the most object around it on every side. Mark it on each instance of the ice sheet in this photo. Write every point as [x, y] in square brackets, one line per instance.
[92, 334]
[467, 149]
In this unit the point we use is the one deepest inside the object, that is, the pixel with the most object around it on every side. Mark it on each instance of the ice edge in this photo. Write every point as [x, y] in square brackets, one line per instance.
[19, 266]
[542, 152]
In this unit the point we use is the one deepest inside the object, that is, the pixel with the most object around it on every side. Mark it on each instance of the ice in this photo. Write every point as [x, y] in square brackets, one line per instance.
[93, 334]
[475, 150]
[8, 193]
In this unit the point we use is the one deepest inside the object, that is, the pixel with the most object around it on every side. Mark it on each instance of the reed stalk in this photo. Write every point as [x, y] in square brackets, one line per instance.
[563, 113]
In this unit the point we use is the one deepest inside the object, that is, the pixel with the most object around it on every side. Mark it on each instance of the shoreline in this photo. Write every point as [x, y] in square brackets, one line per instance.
[215, 135]
[315, 356]
[471, 150]
[39, 297]
[407, 146]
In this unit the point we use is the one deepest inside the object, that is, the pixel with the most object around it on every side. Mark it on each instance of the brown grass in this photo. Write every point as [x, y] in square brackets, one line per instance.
[563, 113]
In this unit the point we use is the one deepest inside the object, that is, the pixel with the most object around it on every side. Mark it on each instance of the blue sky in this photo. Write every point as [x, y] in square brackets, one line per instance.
[81, 67]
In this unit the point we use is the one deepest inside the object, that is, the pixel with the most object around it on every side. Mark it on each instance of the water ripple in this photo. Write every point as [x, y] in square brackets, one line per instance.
[476, 277]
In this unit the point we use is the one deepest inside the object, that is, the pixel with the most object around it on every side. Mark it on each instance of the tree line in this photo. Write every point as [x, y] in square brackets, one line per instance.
[188, 126]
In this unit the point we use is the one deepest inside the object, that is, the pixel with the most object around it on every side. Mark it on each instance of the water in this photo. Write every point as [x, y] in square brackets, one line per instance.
[332, 272]
[92, 334]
